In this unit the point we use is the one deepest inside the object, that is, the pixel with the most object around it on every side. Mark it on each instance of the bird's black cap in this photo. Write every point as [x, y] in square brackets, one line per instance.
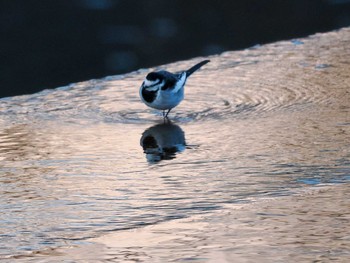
[153, 76]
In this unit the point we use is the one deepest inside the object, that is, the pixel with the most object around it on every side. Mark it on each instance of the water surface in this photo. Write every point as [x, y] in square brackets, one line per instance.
[85, 161]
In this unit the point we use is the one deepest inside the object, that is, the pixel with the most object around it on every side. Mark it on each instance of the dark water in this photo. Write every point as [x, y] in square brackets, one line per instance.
[52, 43]
[81, 162]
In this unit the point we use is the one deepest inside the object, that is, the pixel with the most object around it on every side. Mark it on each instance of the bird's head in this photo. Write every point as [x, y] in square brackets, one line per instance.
[153, 81]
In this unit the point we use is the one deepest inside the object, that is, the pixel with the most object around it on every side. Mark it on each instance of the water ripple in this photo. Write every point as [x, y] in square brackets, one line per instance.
[90, 158]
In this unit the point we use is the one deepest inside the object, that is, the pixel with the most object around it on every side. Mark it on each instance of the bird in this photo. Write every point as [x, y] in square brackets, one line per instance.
[163, 90]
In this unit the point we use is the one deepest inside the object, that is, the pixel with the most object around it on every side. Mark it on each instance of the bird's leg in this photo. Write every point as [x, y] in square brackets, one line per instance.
[163, 113]
[166, 115]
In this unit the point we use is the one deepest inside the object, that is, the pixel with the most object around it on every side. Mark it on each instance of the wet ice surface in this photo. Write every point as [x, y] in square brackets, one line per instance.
[88, 172]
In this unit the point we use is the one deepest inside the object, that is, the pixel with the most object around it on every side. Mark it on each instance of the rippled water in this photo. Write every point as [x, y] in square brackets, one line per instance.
[89, 160]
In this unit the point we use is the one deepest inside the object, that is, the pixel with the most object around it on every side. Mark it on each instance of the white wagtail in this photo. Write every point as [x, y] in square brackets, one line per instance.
[163, 90]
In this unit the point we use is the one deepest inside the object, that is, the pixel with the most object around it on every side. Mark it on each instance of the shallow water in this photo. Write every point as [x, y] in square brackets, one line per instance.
[84, 161]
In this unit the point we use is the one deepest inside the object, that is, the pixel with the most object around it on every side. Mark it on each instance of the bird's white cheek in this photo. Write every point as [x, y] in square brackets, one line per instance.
[154, 88]
[150, 82]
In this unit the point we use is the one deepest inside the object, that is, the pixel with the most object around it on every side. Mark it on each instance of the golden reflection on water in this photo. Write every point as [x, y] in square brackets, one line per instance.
[305, 227]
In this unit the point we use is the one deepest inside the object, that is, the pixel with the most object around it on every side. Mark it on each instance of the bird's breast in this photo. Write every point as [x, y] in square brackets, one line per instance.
[148, 95]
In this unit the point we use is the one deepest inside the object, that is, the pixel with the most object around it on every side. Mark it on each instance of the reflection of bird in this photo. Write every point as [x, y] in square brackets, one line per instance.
[163, 90]
[162, 142]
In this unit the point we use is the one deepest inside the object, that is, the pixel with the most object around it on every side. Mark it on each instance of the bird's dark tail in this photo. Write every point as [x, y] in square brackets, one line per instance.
[196, 67]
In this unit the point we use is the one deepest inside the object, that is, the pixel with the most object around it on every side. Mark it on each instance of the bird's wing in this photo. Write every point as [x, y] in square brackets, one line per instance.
[181, 80]
[170, 80]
